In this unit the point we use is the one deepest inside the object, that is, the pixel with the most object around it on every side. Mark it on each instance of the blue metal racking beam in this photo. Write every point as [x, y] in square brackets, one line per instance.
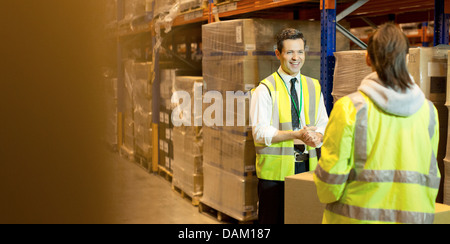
[328, 47]
[441, 23]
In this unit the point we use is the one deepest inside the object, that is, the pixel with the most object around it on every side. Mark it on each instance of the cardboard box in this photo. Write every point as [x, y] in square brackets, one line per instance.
[429, 68]
[212, 147]
[239, 74]
[231, 194]
[238, 154]
[139, 76]
[242, 52]
[446, 174]
[111, 112]
[351, 69]
[442, 214]
[423, 63]
[302, 205]
[187, 162]
[193, 86]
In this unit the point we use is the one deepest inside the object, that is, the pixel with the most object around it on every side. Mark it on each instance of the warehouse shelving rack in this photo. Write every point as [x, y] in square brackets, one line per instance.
[357, 12]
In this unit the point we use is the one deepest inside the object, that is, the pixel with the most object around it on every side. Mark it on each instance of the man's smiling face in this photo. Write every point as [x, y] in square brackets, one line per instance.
[292, 56]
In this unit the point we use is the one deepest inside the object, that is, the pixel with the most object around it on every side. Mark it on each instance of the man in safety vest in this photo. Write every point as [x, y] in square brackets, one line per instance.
[288, 119]
[378, 161]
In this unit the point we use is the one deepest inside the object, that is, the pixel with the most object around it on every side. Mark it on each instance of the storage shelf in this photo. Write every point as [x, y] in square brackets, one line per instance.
[377, 10]
[235, 8]
[385, 7]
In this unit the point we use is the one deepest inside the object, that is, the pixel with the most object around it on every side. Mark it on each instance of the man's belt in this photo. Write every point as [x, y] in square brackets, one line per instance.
[299, 153]
[301, 157]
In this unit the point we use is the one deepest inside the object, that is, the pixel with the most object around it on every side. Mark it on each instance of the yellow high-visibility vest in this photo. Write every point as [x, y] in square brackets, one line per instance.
[372, 169]
[277, 161]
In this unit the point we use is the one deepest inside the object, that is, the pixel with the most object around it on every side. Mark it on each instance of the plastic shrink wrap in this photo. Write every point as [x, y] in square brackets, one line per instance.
[188, 143]
[137, 117]
[446, 173]
[350, 70]
[237, 55]
[143, 133]
[428, 66]
[110, 113]
[165, 128]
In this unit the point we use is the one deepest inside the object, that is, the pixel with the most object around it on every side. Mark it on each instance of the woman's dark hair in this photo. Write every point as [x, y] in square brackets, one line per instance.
[387, 49]
[288, 34]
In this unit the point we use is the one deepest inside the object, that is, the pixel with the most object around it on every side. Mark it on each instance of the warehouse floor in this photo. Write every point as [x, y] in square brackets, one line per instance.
[144, 198]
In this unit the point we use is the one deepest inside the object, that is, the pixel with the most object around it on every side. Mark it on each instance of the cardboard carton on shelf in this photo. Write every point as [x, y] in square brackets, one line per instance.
[242, 52]
[351, 69]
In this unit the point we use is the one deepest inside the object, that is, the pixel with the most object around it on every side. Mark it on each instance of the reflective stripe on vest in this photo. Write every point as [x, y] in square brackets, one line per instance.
[281, 119]
[431, 180]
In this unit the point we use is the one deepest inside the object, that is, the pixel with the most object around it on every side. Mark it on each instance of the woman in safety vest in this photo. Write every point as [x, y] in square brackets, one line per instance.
[378, 161]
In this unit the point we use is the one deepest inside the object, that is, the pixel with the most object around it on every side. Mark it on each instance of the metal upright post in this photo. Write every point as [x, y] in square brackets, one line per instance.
[425, 42]
[441, 23]
[328, 47]
[210, 12]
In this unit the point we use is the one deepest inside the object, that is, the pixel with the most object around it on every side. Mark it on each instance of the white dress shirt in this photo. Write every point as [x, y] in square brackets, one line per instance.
[261, 111]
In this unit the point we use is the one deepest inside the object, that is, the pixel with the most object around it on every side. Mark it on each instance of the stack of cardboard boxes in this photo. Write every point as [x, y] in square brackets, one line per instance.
[240, 53]
[135, 14]
[186, 5]
[137, 117]
[235, 58]
[237, 55]
[428, 66]
[165, 122]
[446, 173]
[110, 106]
[188, 143]
[142, 112]
[127, 147]
[350, 70]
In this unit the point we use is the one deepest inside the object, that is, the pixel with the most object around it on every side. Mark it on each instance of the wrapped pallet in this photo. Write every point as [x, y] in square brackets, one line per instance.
[134, 8]
[428, 66]
[188, 162]
[165, 123]
[230, 182]
[186, 5]
[229, 193]
[137, 121]
[446, 173]
[350, 70]
[110, 106]
[418, 67]
[237, 55]
[238, 152]
[127, 148]
[212, 147]
[437, 72]
[142, 97]
[164, 6]
[188, 145]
